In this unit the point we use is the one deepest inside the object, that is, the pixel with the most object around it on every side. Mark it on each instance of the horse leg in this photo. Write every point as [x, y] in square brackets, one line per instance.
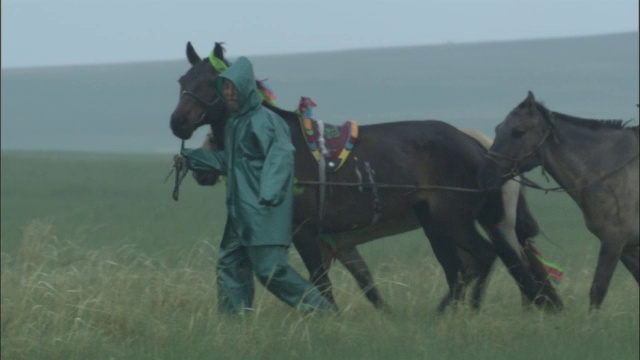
[310, 251]
[630, 258]
[479, 288]
[452, 266]
[444, 249]
[526, 227]
[476, 266]
[607, 261]
[483, 274]
[517, 221]
[353, 261]
[512, 204]
[532, 272]
[541, 277]
[519, 270]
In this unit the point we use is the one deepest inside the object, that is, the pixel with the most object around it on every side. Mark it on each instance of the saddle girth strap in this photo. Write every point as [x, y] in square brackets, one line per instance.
[322, 177]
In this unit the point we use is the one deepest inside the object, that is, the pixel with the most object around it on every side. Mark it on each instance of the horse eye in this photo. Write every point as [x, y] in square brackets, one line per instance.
[517, 133]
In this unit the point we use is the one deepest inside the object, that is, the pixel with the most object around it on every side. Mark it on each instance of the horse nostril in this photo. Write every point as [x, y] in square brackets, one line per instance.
[180, 126]
[177, 121]
[176, 124]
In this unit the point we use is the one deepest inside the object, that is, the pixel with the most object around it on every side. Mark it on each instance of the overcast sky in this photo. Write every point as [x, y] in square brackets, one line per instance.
[66, 32]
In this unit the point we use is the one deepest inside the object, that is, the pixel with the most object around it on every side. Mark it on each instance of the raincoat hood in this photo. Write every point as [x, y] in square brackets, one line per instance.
[242, 76]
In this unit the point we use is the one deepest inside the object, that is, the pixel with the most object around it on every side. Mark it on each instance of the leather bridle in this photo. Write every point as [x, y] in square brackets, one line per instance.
[516, 162]
[208, 105]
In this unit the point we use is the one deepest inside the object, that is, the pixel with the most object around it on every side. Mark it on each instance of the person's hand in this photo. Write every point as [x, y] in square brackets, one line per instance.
[180, 162]
[265, 202]
[272, 201]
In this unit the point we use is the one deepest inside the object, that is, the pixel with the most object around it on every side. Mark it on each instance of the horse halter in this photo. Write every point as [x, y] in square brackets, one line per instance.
[208, 105]
[494, 156]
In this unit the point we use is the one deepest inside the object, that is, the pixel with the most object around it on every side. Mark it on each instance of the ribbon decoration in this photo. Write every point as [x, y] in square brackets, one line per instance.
[217, 63]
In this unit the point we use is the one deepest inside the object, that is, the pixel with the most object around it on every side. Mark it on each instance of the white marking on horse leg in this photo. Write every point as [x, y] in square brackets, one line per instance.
[510, 193]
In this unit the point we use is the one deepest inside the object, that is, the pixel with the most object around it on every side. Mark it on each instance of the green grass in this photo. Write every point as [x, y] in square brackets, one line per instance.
[97, 199]
[98, 263]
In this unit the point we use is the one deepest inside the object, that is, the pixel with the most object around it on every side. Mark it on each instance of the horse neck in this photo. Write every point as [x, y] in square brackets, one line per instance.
[217, 135]
[293, 121]
[576, 155]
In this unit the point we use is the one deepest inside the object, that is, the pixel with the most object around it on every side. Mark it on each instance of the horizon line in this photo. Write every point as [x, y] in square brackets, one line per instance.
[340, 50]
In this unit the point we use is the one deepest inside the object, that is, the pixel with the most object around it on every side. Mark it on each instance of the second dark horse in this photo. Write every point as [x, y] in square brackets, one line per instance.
[401, 176]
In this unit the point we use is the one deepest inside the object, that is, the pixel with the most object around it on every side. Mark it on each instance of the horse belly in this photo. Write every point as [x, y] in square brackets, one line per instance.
[391, 227]
[611, 210]
[354, 216]
[366, 206]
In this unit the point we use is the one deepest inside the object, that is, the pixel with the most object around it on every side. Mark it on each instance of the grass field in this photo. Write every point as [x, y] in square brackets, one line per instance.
[99, 263]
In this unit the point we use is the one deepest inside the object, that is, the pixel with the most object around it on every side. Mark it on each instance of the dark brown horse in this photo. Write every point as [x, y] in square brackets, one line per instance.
[401, 176]
[594, 161]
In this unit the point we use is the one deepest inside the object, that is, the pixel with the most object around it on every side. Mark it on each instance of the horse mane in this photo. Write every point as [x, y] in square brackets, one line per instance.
[594, 124]
[218, 127]
[271, 105]
[283, 113]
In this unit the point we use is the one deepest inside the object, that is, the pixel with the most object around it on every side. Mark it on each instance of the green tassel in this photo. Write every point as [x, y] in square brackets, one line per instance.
[217, 64]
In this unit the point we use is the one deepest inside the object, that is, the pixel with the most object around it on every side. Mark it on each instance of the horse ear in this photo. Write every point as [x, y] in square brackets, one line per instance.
[218, 51]
[192, 55]
[530, 100]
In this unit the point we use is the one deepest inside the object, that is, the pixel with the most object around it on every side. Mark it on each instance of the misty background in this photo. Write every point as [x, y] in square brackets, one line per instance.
[126, 107]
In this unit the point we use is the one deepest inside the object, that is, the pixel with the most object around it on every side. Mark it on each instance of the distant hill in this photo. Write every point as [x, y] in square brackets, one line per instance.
[126, 107]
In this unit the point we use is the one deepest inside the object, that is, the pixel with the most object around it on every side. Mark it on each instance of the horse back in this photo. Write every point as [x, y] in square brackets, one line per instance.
[395, 165]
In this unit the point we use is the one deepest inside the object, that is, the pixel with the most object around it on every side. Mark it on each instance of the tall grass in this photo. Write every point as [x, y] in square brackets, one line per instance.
[61, 301]
[118, 270]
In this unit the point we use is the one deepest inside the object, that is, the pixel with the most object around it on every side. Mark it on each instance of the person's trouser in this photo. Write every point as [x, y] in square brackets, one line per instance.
[236, 267]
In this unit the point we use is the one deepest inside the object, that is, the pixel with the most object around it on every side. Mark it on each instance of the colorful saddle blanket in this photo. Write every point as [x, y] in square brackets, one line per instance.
[334, 141]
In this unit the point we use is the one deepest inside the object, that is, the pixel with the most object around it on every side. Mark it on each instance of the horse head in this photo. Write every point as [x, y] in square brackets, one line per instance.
[198, 103]
[521, 135]
[518, 142]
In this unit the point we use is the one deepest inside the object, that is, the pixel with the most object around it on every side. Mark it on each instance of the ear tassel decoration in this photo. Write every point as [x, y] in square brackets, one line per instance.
[217, 63]
[305, 108]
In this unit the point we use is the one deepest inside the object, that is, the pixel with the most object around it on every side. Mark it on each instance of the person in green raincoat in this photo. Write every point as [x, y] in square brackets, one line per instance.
[258, 161]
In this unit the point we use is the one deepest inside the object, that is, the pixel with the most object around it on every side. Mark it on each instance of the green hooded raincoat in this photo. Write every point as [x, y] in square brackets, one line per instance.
[258, 161]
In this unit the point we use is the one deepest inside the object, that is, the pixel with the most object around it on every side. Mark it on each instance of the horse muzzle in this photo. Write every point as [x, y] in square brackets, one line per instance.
[181, 127]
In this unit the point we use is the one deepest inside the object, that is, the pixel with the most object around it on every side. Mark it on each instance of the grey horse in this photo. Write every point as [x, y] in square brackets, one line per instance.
[594, 161]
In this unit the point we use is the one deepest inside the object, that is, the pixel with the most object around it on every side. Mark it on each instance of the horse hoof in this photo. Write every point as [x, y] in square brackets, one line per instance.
[552, 306]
